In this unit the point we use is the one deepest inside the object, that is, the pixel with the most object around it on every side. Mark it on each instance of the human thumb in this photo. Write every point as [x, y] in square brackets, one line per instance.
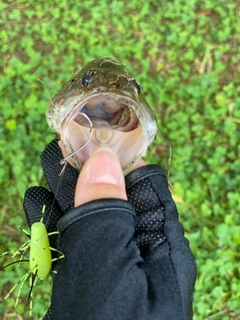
[100, 177]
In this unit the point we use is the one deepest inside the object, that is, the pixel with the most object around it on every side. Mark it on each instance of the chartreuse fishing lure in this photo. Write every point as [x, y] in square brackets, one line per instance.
[40, 258]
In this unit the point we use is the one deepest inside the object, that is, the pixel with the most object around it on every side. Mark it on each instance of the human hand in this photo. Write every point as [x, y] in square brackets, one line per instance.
[100, 177]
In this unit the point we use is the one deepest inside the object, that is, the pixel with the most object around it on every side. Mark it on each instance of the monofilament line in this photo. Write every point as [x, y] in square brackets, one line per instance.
[63, 161]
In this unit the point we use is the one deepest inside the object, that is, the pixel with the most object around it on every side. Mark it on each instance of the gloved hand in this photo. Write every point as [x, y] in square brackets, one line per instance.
[60, 198]
[57, 201]
[168, 263]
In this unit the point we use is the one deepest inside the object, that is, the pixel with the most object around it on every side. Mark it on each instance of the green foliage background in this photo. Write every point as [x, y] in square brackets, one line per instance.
[186, 55]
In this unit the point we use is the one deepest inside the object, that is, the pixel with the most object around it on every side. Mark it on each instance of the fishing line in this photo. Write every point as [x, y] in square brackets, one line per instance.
[50, 98]
[169, 160]
[17, 261]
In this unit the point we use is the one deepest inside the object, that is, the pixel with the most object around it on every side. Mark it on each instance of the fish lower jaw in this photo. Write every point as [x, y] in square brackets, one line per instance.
[129, 146]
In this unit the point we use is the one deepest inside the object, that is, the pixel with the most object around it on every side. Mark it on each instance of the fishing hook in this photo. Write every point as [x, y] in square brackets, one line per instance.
[63, 161]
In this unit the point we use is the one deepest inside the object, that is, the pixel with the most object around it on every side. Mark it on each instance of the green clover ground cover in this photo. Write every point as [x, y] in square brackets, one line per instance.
[186, 56]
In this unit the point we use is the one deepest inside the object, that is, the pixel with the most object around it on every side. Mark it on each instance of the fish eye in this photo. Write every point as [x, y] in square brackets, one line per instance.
[86, 80]
[136, 86]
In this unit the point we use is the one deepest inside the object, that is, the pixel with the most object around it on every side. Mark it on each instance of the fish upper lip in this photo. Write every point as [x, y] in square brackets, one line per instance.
[98, 90]
[80, 102]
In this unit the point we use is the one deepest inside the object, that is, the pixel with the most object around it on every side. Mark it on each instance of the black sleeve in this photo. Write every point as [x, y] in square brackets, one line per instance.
[125, 259]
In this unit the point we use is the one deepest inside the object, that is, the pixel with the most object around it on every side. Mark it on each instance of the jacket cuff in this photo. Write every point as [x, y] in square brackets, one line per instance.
[94, 207]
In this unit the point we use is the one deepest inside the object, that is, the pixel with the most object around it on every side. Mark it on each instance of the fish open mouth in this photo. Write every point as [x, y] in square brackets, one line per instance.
[115, 121]
[108, 114]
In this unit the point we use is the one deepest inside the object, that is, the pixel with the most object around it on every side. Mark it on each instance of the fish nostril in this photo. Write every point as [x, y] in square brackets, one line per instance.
[138, 88]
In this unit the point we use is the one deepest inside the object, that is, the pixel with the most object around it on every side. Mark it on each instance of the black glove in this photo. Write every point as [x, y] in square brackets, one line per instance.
[60, 199]
[159, 236]
[168, 271]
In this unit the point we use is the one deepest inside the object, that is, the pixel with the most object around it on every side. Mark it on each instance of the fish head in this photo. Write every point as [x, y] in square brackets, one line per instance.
[104, 101]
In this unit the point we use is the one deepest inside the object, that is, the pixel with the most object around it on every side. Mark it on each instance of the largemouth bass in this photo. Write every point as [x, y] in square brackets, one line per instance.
[112, 100]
